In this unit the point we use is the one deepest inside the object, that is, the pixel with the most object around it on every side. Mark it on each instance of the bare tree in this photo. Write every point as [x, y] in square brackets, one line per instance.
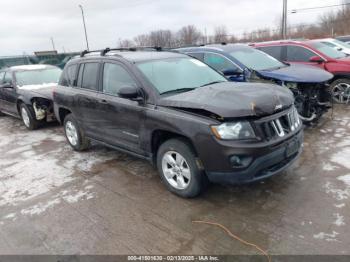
[142, 40]
[189, 35]
[162, 38]
[220, 34]
[125, 43]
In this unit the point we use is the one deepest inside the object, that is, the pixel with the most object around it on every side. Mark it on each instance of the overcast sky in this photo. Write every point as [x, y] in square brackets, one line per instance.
[27, 25]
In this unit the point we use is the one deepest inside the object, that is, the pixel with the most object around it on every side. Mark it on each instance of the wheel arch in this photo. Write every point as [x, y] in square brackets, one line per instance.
[159, 136]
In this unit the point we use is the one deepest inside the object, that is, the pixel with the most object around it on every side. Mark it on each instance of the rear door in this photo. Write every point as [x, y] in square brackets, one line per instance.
[121, 118]
[86, 98]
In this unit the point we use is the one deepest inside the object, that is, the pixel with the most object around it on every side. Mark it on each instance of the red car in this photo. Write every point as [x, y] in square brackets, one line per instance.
[312, 52]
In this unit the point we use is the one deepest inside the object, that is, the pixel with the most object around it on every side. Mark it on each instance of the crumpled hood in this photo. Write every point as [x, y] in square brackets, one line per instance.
[44, 90]
[231, 99]
[298, 73]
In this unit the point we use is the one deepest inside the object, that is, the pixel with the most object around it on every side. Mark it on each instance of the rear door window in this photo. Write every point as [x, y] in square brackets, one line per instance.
[299, 54]
[88, 76]
[219, 62]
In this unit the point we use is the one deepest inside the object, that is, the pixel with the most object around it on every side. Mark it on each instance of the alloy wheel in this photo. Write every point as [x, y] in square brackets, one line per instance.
[25, 117]
[71, 133]
[176, 170]
[341, 93]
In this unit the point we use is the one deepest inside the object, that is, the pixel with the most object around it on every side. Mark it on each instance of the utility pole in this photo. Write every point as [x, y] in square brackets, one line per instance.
[53, 44]
[284, 20]
[86, 38]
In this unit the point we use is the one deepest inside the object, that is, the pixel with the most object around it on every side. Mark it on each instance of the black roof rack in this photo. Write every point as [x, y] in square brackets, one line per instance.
[133, 49]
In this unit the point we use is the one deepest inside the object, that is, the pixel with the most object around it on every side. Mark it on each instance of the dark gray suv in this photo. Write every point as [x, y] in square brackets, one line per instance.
[181, 115]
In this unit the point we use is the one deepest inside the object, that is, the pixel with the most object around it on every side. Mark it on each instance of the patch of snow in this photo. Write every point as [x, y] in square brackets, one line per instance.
[342, 158]
[328, 167]
[78, 196]
[339, 220]
[36, 87]
[340, 205]
[345, 179]
[338, 194]
[40, 208]
[29, 67]
[327, 237]
[10, 216]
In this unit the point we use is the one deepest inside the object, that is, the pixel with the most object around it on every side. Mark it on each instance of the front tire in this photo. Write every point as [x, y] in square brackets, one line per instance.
[74, 135]
[340, 90]
[28, 118]
[177, 166]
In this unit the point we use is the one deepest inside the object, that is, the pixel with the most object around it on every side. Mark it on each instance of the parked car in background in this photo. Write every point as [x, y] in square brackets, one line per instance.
[181, 115]
[243, 63]
[345, 38]
[26, 93]
[311, 52]
[336, 44]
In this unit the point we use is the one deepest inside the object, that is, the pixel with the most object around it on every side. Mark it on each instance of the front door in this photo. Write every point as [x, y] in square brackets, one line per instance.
[121, 119]
[301, 55]
[9, 95]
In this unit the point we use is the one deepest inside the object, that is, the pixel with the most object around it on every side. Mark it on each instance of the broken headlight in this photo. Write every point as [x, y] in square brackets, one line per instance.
[233, 131]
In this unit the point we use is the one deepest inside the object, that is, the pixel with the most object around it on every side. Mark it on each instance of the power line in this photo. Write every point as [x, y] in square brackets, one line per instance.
[317, 7]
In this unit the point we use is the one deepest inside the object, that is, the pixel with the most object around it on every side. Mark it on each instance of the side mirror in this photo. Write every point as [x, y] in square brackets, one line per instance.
[7, 85]
[132, 93]
[316, 59]
[232, 72]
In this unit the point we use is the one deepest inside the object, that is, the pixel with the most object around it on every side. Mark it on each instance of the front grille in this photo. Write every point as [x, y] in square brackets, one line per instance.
[280, 126]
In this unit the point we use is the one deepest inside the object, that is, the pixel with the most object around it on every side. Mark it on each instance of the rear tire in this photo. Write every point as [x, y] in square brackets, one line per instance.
[28, 118]
[340, 90]
[178, 168]
[74, 134]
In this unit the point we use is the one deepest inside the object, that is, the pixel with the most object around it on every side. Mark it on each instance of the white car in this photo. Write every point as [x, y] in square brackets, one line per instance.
[336, 44]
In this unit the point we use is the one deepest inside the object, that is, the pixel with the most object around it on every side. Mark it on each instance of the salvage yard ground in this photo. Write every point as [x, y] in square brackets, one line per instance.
[56, 201]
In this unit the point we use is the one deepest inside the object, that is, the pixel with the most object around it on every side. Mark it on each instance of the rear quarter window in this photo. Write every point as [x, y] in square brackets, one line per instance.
[68, 78]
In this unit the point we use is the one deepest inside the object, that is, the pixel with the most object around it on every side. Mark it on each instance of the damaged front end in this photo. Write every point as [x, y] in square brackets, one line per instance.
[312, 100]
[43, 109]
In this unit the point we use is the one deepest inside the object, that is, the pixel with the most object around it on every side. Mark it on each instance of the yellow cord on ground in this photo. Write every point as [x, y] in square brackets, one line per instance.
[235, 237]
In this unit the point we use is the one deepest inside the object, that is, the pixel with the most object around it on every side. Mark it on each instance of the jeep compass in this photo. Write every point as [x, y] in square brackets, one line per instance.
[181, 115]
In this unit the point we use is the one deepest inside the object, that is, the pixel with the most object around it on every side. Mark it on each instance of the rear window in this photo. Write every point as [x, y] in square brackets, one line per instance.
[328, 51]
[38, 77]
[68, 78]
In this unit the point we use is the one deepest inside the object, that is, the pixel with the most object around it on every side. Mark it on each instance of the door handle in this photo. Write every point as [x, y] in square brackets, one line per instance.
[103, 101]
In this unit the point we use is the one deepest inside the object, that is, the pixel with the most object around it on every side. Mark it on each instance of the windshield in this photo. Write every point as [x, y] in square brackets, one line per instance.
[179, 74]
[256, 59]
[328, 51]
[38, 77]
[340, 43]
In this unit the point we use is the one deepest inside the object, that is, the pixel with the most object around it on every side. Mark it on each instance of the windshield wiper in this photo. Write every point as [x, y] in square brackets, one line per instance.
[212, 83]
[179, 90]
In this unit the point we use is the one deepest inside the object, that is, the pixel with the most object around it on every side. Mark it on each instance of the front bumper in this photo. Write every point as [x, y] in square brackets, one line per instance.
[263, 166]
